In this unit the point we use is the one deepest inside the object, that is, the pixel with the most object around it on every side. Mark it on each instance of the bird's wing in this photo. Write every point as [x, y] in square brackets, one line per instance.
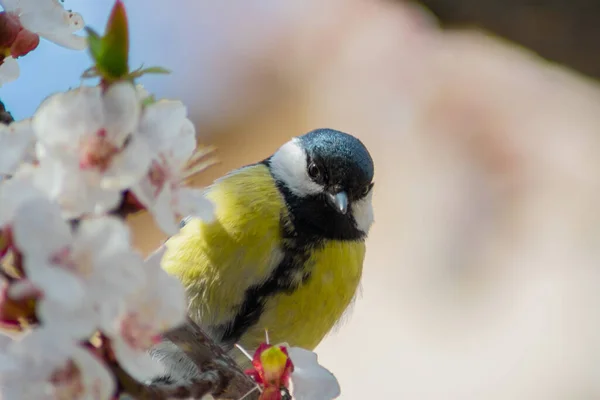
[218, 261]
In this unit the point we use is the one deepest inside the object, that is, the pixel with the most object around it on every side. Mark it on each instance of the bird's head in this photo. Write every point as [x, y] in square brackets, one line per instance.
[326, 177]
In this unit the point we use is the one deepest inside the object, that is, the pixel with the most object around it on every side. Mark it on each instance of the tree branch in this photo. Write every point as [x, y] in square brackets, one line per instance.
[221, 377]
[208, 355]
[210, 382]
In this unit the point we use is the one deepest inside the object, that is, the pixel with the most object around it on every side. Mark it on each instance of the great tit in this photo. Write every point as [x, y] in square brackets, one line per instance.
[284, 253]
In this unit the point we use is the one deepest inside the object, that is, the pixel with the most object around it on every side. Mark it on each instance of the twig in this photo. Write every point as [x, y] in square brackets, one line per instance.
[5, 116]
[210, 382]
[208, 355]
[221, 377]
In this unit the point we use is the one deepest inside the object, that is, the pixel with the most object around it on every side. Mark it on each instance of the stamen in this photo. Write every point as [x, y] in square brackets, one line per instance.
[244, 352]
[200, 152]
[190, 171]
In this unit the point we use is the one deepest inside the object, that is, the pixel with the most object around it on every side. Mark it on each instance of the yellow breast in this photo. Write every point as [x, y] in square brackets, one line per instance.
[304, 318]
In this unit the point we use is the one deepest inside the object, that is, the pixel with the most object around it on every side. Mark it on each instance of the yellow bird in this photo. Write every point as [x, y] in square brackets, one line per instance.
[284, 253]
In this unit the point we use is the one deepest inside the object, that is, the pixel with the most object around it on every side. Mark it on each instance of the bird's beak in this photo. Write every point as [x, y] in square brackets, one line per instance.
[339, 201]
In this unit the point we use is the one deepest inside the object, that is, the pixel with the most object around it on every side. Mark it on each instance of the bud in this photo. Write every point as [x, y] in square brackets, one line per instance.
[111, 51]
[15, 41]
[272, 368]
[9, 29]
[25, 42]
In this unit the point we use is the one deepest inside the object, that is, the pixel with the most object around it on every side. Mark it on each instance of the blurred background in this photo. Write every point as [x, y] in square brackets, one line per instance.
[482, 277]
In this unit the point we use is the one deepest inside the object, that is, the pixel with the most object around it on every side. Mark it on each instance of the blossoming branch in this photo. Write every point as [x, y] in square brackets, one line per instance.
[82, 307]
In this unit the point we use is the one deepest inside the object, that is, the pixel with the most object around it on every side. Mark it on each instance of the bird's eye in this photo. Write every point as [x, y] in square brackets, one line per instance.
[365, 191]
[313, 171]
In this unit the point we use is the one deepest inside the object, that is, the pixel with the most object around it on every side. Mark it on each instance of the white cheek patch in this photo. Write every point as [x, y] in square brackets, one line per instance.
[362, 211]
[288, 165]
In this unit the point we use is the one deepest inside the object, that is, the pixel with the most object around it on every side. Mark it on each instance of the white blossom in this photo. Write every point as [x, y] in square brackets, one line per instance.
[172, 138]
[87, 148]
[9, 70]
[310, 380]
[75, 190]
[16, 145]
[159, 306]
[13, 193]
[45, 364]
[84, 275]
[48, 19]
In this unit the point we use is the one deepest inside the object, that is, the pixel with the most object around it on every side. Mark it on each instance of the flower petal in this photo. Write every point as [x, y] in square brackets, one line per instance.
[161, 302]
[58, 285]
[104, 199]
[118, 273]
[161, 123]
[72, 188]
[39, 229]
[38, 21]
[46, 350]
[163, 212]
[310, 380]
[17, 144]
[20, 6]
[65, 118]
[142, 93]
[46, 346]
[153, 261]
[9, 70]
[14, 193]
[137, 363]
[108, 315]
[145, 192]
[122, 112]
[129, 166]
[173, 304]
[103, 234]
[192, 202]
[5, 341]
[70, 41]
[11, 5]
[50, 20]
[183, 144]
[78, 323]
[98, 382]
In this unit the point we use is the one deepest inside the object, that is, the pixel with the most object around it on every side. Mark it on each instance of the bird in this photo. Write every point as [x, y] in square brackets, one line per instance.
[284, 252]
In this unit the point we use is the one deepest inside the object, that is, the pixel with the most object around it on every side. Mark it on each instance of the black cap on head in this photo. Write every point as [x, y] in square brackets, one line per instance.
[343, 159]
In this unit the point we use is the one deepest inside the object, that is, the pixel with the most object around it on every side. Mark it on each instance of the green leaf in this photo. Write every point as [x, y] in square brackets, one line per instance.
[94, 44]
[114, 60]
[155, 70]
[150, 70]
[111, 51]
